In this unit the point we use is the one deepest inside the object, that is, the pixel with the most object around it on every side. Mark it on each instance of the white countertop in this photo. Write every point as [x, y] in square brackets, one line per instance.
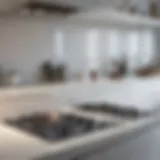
[140, 93]
[16, 145]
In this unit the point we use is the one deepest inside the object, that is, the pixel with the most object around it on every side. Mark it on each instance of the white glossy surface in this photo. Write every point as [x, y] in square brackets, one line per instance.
[140, 93]
[104, 17]
[16, 145]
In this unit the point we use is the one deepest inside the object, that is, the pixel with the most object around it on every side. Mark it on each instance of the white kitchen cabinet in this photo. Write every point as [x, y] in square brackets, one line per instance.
[139, 147]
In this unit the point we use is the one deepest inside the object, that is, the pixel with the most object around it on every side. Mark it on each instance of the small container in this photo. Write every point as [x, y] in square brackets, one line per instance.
[153, 10]
[94, 75]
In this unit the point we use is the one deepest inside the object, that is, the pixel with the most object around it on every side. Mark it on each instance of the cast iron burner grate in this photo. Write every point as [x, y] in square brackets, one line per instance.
[56, 127]
[115, 110]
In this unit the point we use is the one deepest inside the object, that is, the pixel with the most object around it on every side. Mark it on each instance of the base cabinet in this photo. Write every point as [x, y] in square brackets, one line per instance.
[143, 147]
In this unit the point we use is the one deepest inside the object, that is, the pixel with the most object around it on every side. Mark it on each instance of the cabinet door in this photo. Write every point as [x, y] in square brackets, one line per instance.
[143, 147]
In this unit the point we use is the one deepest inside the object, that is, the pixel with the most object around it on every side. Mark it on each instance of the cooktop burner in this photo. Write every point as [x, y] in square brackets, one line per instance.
[110, 109]
[55, 126]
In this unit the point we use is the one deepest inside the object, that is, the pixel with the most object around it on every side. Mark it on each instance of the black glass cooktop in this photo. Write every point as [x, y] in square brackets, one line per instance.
[53, 127]
[115, 110]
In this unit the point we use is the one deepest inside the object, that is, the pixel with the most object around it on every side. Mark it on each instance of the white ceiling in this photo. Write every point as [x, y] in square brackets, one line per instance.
[6, 5]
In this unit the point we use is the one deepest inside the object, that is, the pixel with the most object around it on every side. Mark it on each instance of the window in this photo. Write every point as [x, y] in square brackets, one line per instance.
[113, 40]
[132, 48]
[133, 42]
[92, 47]
[58, 46]
[113, 49]
[147, 47]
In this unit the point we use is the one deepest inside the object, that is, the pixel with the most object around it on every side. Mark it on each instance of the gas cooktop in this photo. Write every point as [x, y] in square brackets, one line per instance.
[106, 108]
[57, 126]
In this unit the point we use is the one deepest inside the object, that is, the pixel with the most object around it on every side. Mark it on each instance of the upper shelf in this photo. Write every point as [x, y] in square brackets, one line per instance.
[97, 17]
[105, 17]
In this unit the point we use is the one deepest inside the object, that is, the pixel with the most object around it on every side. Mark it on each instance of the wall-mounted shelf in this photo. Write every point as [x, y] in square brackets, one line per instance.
[95, 18]
[101, 17]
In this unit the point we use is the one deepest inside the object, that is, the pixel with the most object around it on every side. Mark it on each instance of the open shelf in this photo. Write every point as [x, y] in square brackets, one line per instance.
[106, 17]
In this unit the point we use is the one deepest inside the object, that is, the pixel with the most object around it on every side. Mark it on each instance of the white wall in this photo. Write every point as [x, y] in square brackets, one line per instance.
[25, 44]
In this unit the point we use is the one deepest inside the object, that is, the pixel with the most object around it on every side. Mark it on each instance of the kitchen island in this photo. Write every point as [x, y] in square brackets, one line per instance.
[131, 138]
